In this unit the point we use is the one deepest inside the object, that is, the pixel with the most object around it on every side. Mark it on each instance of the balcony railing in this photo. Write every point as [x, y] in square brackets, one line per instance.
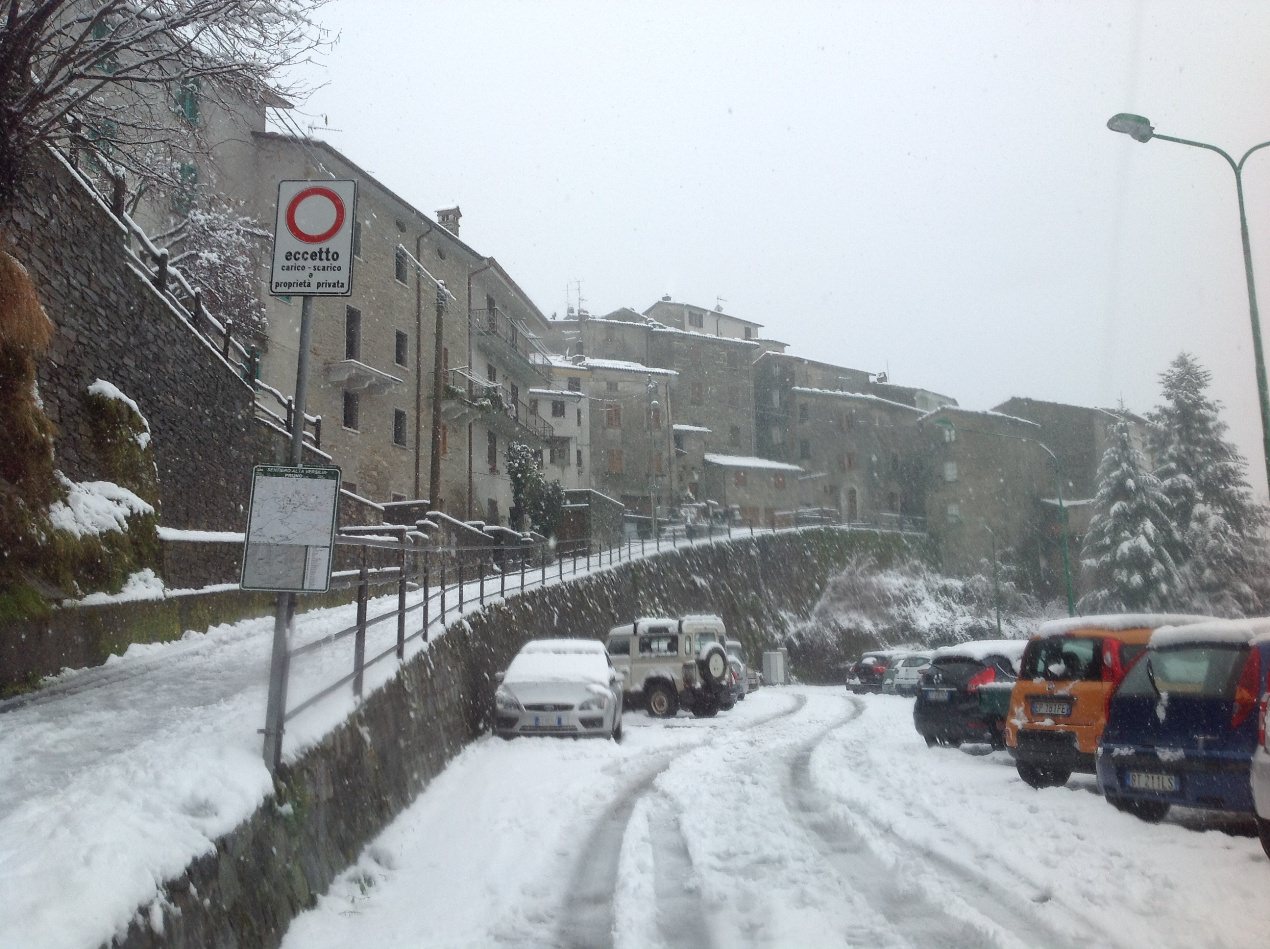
[482, 399]
[510, 337]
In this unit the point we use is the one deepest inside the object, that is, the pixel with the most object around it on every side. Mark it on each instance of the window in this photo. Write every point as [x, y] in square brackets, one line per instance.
[400, 354]
[491, 372]
[398, 427]
[749, 332]
[579, 417]
[610, 386]
[697, 393]
[559, 454]
[804, 412]
[696, 320]
[734, 436]
[575, 384]
[953, 512]
[557, 409]
[660, 643]
[950, 471]
[186, 103]
[352, 333]
[357, 238]
[491, 452]
[612, 415]
[804, 449]
[533, 407]
[654, 416]
[620, 646]
[350, 410]
[579, 457]
[399, 266]
[778, 481]
[738, 478]
[516, 400]
[615, 461]
[950, 433]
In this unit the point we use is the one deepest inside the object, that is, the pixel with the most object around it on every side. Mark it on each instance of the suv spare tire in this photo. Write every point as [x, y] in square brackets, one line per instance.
[714, 665]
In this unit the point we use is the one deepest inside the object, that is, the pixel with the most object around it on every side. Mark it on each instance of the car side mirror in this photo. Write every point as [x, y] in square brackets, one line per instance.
[499, 676]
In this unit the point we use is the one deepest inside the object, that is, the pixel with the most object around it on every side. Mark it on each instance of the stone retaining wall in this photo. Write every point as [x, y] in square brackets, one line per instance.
[339, 795]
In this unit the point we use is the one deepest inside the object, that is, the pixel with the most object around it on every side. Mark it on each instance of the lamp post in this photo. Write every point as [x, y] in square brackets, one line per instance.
[652, 451]
[1140, 130]
[996, 583]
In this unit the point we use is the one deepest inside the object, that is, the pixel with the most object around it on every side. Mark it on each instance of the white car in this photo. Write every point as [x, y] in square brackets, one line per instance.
[908, 672]
[1261, 776]
[560, 687]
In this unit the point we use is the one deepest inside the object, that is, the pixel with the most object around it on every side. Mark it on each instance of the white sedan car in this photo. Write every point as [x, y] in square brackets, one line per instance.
[560, 687]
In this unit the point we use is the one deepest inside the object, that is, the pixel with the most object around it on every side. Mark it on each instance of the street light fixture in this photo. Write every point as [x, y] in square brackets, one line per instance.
[1140, 129]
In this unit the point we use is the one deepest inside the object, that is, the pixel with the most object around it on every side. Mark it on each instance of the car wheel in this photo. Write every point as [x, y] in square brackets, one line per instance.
[617, 731]
[1039, 777]
[507, 736]
[661, 701]
[1263, 831]
[931, 741]
[707, 706]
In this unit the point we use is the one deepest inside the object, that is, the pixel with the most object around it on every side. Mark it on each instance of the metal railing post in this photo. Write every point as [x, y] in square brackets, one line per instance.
[359, 642]
[426, 597]
[460, 568]
[542, 559]
[482, 568]
[588, 554]
[523, 558]
[502, 574]
[441, 615]
[401, 601]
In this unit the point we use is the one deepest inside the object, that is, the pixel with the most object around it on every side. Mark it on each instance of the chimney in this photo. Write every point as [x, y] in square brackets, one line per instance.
[449, 219]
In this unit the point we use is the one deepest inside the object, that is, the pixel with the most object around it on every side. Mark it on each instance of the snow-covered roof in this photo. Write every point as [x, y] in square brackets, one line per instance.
[564, 646]
[988, 414]
[625, 366]
[864, 396]
[662, 328]
[563, 362]
[1117, 622]
[745, 461]
[691, 428]
[981, 649]
[558, 393]
[1234, 631]
[1074, 502]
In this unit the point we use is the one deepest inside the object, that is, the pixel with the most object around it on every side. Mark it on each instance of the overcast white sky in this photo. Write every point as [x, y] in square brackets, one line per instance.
[928, 188]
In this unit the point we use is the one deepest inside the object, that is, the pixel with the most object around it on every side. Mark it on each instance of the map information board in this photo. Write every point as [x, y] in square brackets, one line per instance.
[291, 529]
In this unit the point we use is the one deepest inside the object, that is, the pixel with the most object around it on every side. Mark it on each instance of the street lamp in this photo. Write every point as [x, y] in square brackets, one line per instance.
[652, 452]
[1140, 130]
[996, 583]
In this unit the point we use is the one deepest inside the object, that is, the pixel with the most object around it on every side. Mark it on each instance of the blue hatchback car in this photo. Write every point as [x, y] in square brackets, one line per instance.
[1182, 727]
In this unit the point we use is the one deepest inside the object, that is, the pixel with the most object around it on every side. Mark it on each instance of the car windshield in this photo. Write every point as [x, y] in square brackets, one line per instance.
[913, 661]
[1200, 671]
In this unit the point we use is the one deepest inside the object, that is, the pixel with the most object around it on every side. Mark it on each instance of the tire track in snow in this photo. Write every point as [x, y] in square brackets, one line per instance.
[589, 917]
[679, 912]
[987, 912]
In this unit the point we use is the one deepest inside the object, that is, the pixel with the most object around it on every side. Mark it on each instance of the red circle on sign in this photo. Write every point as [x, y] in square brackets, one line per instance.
[305, 236]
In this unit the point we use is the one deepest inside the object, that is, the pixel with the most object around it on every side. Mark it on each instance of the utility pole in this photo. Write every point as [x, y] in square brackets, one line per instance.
[652, 453]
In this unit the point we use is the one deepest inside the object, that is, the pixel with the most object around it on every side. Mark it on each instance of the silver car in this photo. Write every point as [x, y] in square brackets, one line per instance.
[560, 687]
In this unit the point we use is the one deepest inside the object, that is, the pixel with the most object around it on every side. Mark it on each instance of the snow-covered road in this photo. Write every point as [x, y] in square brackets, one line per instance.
[805, 817]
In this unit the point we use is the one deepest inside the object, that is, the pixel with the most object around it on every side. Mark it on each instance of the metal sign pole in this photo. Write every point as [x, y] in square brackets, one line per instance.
[284, 610]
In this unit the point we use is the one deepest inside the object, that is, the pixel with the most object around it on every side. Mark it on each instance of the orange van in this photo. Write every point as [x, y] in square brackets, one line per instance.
[1058, 706]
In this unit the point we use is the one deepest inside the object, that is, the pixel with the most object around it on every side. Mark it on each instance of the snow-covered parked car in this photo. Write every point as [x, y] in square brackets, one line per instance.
[673, 663]
[867, 672]
[948, 710]
[908, 672]
[560, 687]
[740, 669]
[1183, 726]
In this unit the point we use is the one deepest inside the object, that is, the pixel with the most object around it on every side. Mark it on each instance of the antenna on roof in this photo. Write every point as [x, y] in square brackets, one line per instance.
[718, 304]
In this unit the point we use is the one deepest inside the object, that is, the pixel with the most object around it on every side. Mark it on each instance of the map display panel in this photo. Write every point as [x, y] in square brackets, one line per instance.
[291, 529]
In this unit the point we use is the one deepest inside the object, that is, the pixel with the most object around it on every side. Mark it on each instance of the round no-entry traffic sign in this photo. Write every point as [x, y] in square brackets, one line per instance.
[315, 215]
[313, 238]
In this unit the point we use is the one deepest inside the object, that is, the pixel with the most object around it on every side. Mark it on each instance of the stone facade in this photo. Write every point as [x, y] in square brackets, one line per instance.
[754, 491]
[112, 324]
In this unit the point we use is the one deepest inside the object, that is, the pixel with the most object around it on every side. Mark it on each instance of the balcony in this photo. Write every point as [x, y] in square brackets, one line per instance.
[473, 398]
[507, 337]
[356, 376]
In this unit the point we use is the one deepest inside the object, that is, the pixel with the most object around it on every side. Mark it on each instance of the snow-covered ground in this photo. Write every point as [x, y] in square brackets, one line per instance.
[804, 817]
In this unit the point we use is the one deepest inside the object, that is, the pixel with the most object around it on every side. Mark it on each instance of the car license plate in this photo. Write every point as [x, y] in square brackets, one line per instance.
[1060, 707]
[938, 695]
[1150, 781]
[546, 720]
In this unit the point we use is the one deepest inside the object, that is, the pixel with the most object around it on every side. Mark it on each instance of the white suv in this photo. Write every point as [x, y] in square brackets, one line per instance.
[673, 663]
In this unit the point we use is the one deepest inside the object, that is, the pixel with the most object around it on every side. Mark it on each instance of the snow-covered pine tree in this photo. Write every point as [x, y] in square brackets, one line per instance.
[1220, 550]
[1128, 550]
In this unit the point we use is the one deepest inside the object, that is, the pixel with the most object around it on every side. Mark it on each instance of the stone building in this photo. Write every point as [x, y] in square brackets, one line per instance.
[697, 319]
[631, 418]
[756, 492]
[568, 455]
